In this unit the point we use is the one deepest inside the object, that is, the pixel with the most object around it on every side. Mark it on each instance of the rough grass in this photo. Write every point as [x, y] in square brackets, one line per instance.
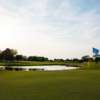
[91, 66]
[61, 85]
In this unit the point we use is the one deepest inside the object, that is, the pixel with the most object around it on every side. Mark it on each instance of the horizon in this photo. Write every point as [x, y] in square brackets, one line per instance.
[95, 52]
[51, 28]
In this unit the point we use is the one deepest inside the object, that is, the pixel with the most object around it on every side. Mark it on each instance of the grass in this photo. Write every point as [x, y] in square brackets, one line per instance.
[91, 66]
[36, 63]
[61, 85]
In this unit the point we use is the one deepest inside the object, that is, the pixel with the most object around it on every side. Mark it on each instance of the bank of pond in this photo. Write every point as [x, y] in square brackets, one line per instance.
[47, 66]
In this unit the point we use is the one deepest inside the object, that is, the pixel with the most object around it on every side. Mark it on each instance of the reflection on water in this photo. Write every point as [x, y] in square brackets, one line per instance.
[45, 68]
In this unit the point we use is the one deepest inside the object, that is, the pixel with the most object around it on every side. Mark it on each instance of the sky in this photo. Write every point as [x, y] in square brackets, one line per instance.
[51, 28]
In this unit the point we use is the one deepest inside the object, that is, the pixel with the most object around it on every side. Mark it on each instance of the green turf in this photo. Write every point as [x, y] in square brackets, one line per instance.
[61, 85]
[37, 63]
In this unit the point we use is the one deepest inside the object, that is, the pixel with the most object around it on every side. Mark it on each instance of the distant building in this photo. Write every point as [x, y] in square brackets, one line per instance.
[95, 57]
[87, 58]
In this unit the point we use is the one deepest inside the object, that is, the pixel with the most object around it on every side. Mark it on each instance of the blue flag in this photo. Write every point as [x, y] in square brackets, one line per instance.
[95, 51]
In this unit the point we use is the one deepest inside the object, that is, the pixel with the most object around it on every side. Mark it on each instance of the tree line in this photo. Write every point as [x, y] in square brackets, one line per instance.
[12, 54]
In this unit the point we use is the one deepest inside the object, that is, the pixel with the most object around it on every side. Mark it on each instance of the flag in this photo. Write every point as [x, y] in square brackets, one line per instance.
[95, 51]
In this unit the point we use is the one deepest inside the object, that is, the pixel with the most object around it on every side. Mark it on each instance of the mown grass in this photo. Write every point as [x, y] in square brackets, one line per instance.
[41, 85]
[36, 63]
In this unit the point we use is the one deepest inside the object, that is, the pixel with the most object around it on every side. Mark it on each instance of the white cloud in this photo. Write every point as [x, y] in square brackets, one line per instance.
[30, 28]
[26, 8]
[84, 24]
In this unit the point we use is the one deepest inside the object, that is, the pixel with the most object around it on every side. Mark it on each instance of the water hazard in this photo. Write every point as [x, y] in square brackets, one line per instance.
[45, 68]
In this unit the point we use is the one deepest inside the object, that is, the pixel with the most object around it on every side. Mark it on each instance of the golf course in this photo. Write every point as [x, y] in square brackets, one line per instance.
[50, 85]
[49, 49]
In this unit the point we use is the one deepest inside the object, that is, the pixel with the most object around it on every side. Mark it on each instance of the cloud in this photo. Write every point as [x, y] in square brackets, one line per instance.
[49, 27]
[78, 31]
[84, 24]
[37, 7]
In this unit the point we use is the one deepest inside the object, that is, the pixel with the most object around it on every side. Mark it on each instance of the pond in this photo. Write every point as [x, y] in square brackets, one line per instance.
[45, 68]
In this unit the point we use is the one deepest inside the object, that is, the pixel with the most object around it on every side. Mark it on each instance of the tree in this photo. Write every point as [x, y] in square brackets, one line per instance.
[20, 57]
[97, 59]
[8, 54]
[36, 58]
[59, 60]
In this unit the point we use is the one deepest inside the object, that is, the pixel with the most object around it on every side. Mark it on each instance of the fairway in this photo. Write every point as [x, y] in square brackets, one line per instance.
[41, 85]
